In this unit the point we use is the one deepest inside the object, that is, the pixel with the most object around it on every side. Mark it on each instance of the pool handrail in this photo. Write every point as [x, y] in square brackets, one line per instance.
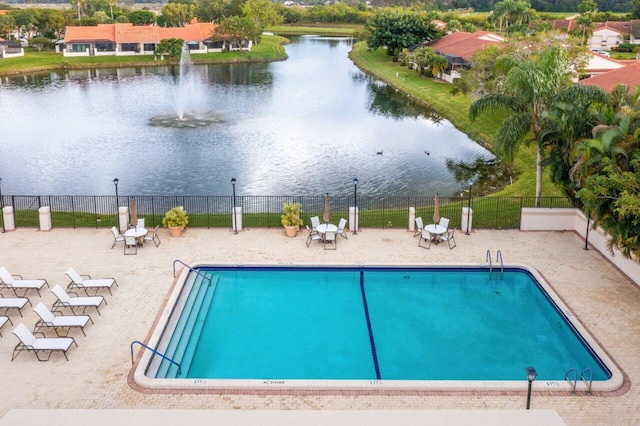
[154, 351]
[488, 260]
[191, 269]
[499, 259]
[573, 382]
[589, 382]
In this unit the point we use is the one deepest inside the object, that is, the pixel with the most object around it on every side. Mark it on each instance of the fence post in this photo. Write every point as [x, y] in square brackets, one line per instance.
[412, 219]
[8, 218]
[45, 218]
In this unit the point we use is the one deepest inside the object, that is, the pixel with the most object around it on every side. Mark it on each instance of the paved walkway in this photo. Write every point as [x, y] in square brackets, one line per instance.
[95, 376]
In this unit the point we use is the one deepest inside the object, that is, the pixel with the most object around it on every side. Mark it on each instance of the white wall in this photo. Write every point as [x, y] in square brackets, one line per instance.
[547, 219]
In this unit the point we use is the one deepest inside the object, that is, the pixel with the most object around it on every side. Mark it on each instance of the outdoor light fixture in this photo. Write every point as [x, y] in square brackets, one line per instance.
[233, 184]
[355, 206]
[531, 376]
[1, 212]
[115, 182]
[469, 207]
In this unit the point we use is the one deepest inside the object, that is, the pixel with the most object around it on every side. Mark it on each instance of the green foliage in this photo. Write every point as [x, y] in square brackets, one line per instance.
[235, 30]
[142, 17]
[176, 217]
[171, 47]
[40, 43]
[397, 29]
[263, 12]
[291, 214]
[177, 14]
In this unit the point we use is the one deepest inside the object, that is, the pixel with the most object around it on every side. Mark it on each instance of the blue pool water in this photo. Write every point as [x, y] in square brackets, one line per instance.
[374, 324]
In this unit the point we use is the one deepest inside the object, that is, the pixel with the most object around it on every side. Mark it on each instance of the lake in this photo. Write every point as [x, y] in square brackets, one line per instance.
[304, 126]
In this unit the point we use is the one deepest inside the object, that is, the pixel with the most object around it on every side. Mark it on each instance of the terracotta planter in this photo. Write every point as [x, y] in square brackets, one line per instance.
[175, 231]
[291, 231]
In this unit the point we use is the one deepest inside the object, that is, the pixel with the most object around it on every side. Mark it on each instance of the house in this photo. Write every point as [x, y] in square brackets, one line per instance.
[600, 64]
[629, 75]
[607, 35]
[459, 47]
[127, 39]
[10, 49]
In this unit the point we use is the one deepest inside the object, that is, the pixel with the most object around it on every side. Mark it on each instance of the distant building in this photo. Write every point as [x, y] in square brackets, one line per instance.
[629, 75]
[127, 39]
[10, 49]
[459, 47]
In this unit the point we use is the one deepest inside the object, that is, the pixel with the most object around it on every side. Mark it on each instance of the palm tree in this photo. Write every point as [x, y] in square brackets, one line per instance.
[529, 89]
[438, 63]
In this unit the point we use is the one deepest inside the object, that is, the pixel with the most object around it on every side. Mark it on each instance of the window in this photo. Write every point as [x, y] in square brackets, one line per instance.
[129, 47]
[81, 47]
[105, 47]
[149, 47]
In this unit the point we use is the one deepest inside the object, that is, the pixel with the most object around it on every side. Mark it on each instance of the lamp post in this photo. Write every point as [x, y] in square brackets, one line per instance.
[355, 206]
[233, 185]
[1, 206]
[469, 207]
[531, 376]
[115, 182]
[586, 238]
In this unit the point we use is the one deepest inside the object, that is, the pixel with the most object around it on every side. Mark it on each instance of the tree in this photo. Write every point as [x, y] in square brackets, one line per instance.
[142, 17]
[397, 29]
[171, 47]
[438, 64]
[236, 30]
[263, 13]
[177, 14]
[529, 89]
[7, 25]
[39, 43]
[587, 7]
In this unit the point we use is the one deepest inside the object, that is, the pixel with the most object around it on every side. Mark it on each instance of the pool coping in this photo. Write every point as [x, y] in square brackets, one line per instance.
[619, 382]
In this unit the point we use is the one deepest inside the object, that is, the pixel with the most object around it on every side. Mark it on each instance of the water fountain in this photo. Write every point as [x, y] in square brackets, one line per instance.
[185, 88]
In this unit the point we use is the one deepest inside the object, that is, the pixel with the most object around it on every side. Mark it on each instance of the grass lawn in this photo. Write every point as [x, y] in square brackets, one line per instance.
[324, 29]
[269, 49]
[437, 96]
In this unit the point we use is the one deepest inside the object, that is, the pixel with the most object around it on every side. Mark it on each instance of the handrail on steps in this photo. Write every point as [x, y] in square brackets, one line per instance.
[154, 351]
[191, 269]
[488, 260]
[499, 259]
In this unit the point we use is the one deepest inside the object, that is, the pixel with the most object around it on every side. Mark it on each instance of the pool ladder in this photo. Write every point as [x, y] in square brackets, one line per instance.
[587, 381]
[154, 351]
[498, 259]
[191, 269]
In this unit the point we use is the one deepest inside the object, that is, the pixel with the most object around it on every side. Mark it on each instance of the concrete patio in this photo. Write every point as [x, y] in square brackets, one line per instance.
[95, 377]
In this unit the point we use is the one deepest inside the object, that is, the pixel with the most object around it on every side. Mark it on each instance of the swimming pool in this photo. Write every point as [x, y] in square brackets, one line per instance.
[369, 327]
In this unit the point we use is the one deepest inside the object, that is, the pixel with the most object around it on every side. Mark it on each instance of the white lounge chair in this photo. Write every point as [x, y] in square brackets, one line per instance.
[426, 237]
[66, 301]
[419, 226]
[341, 225]
[48, 319]
[18, 303]
[29, 342]
[77, 281]
[153, 236]
[117, 236]
[9, 281]
[3, 321]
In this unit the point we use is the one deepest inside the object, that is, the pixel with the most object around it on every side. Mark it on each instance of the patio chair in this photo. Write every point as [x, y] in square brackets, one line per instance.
[18, 303]
[3, 321]
[448, 237]
[426, 237]
[330, 238]
[313, 236]
[66, 301]
[341, 225]
[9, 281]
[444, 222]
[419, 226]
[153, 236]
[48, 319]
[117, 236]
[29, 342]
[315, 222]
[140, 224]
[130, 243]
[78, 282]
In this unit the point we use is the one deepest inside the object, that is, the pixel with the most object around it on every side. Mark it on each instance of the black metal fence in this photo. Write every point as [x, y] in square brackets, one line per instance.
[92, 211]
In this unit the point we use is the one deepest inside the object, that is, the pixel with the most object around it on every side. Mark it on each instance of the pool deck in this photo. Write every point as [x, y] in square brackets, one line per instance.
[96, 375]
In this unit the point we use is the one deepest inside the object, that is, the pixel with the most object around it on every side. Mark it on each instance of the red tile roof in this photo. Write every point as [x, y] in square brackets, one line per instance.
[465, 44]
[629, 75]
[128, 33]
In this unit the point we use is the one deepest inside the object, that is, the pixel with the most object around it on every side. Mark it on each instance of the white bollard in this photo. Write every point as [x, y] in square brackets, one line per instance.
[353, 218]
[412, 219]
[466, 214]
[8, 219]
[44, 214]
[236, 219]
[123, 218]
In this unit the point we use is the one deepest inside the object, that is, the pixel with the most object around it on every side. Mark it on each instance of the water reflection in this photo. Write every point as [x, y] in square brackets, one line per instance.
[307, 125]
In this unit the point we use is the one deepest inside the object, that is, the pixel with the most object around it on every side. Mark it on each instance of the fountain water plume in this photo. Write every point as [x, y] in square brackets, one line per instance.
[185, 88]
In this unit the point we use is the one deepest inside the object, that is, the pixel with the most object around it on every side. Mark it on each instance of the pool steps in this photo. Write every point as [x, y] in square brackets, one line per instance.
[188, 327]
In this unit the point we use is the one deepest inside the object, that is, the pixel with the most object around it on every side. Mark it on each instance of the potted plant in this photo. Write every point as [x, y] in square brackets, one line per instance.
[291, 218]
[175, 219]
